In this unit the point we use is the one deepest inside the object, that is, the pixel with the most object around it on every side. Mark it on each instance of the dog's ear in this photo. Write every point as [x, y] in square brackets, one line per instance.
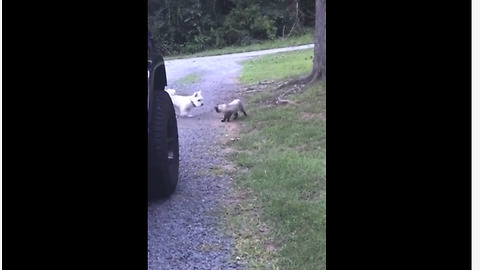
[196, 93]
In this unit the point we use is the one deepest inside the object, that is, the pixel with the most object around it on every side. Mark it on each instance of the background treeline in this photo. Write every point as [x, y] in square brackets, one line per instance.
[189, 26]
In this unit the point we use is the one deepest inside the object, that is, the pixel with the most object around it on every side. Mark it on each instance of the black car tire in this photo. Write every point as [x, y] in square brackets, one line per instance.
[163, 156]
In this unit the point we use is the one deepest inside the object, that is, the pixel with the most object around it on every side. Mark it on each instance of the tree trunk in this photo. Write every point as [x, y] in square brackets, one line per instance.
[319, 70]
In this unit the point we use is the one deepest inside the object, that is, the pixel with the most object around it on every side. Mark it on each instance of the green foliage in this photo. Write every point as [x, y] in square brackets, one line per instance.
[244, 25]
[190, 26]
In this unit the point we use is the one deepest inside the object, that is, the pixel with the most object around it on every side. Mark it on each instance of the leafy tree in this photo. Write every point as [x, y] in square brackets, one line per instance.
[245, 24]
[187, 26]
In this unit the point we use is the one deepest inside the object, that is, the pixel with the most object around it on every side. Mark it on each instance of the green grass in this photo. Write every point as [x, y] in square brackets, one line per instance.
[277, 66]
[282, 150]
[254, 243]
[306, 38]
[189, 79]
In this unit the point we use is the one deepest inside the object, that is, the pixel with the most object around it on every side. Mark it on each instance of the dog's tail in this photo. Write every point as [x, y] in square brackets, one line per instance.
[171, 92]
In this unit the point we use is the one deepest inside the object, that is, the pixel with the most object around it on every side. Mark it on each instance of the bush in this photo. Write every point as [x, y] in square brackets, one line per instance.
[191, 26]
[242, 25]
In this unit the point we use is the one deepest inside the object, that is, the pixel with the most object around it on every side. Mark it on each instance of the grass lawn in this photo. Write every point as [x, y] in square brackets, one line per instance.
[277, 66]
[282, 154]
[306, 38]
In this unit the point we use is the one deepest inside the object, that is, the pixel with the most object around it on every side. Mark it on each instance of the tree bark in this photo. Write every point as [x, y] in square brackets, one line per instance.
[319, 70]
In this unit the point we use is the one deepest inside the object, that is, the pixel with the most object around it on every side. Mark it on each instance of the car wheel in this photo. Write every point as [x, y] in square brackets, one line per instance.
[163, 156]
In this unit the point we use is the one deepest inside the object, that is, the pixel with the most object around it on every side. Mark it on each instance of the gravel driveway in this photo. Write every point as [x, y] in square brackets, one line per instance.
[184, 231]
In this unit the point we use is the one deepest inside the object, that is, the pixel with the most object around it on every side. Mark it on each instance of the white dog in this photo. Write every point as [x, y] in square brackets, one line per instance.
[185, 103]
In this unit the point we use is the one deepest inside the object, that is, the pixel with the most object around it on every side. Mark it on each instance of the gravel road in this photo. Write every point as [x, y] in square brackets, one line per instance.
[184, 231]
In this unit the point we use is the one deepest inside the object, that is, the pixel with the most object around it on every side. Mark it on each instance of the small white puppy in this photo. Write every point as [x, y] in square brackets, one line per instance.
[185, 103]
